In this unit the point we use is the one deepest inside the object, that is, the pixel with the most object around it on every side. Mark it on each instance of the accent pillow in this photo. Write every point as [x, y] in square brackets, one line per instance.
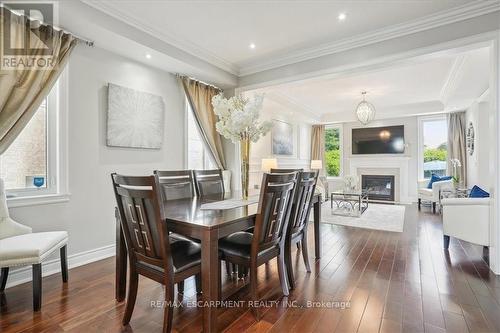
[436, 178]
[478, 192]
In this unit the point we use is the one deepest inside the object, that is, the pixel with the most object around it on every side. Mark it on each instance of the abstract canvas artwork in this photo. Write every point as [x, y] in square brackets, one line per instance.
[135, 118]
[282, 138]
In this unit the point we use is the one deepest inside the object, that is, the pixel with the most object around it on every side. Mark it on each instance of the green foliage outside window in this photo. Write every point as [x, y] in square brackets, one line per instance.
[332, 152]
[435, 154]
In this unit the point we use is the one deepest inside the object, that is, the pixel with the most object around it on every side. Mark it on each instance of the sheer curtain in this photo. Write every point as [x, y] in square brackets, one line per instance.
[318, 145]
[22, 90]
[199, 96]
[457, 148]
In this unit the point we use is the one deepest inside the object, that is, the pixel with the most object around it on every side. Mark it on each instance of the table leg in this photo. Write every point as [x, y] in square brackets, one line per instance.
[317, 235]
[210, 278]
[121, 261]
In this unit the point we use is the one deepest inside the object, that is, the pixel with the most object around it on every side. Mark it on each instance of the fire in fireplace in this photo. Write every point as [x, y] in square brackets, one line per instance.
[379, 187]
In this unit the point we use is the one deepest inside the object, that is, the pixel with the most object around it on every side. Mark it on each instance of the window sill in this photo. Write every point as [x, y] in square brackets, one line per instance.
[46, 199]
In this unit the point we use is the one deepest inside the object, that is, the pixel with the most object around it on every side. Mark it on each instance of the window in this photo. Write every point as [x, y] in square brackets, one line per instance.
[333, 150]
[28, 165]
[198, 157]
[433, 152]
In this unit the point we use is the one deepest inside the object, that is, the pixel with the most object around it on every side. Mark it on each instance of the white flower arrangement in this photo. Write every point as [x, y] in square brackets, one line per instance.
[239, 118]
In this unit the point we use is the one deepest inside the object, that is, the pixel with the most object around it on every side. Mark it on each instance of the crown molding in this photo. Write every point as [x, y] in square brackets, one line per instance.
[454, 76]
[459, 13]
[294, 105]
[169, 38]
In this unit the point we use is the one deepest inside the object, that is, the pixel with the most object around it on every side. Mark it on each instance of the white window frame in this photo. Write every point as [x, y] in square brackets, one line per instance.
[205, 154]
[421, 121]
[341, 148]
[56, 189]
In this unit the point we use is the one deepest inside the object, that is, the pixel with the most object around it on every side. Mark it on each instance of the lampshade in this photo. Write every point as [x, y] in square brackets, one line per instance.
[268, 164]
[316, 164]
[365, 112]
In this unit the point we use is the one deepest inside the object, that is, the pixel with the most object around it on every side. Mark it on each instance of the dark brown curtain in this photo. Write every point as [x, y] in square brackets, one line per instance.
[200, 96]
[23, 89]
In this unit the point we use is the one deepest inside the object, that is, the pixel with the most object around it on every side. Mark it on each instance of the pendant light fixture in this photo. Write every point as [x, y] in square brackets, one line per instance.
[365, 111]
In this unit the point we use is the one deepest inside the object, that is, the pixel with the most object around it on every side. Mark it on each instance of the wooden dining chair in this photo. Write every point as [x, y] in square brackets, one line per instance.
[268, 239]
[299, 217]
[209, 183]
[152, 252]
[178, 184]
[285, 170]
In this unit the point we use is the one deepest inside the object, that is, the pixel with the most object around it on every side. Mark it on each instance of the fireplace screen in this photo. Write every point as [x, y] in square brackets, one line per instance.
[379, 187]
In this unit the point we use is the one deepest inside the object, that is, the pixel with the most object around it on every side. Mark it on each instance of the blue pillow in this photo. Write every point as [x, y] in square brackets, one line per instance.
[436, 178]
[478, 192]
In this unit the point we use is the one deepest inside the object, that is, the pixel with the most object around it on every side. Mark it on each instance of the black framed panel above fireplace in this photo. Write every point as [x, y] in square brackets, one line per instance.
[379, 187]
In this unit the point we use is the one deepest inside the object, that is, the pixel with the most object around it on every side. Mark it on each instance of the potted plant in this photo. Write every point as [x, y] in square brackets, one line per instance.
[239, 122]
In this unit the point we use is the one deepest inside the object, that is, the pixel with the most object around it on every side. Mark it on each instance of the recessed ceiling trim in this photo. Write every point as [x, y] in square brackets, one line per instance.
[454, 76]
[293, 104]
[169, 38]
[442, 18]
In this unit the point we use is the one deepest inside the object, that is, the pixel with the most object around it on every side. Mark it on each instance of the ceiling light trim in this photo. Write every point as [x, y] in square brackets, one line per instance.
[189, 47]
[459, 13]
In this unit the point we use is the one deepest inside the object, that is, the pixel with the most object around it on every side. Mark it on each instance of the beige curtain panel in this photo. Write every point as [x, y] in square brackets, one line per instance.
[318, 145]
[23, 90]
[457, 146]
[199, 96]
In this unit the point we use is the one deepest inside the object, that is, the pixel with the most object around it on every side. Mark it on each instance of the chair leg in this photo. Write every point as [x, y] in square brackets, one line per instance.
[3, 278]
[180, 287]
[419, 203]
[168, 312]
[219, 281]
[37, 287]
[446, 241]
[282, 273]
[305, 254]
[197, 280]
[131, 296]
[253, 290]
[289, 266]
[64, 263]
[434, 208]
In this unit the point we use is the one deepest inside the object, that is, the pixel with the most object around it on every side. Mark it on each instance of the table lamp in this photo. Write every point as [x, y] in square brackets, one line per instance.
[268, 164]
[316, 164]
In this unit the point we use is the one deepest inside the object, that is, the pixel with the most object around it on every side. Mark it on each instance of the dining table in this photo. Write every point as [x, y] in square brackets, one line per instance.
[191, 218]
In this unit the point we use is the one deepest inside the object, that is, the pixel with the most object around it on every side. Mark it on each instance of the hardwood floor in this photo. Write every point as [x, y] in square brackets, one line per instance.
[393, 282]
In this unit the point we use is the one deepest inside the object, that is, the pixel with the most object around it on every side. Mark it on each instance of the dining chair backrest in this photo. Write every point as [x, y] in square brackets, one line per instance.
[209, 182]
[302, 202]
[141, 215]
[176, 184]
[286, 170]
[276, 194]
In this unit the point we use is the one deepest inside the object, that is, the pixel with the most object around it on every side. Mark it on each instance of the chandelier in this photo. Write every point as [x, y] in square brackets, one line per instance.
[365, 111]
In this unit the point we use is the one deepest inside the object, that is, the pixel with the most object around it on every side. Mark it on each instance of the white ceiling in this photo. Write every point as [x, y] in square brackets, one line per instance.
[220, 31]
[445, 83]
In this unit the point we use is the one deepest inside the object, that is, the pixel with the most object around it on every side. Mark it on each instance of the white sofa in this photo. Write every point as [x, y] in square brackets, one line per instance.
[432, 195]
[467, 219]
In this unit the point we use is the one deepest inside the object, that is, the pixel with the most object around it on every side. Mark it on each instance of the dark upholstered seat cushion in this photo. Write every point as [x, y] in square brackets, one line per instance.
[239, 244]
[185, 253]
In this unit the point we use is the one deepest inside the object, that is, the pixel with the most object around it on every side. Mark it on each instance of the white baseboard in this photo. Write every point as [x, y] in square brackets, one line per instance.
[23, 274]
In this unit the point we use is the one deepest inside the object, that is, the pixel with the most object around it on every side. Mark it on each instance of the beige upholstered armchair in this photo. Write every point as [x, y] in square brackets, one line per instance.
[432, 194]
[20, 247]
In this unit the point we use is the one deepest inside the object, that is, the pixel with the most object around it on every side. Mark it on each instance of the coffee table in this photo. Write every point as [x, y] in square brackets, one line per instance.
[349, 202]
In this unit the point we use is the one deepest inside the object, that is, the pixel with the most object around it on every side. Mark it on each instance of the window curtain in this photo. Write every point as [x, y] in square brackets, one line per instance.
[23, 90]
[457, 148]
[318, 145]
[199, 96]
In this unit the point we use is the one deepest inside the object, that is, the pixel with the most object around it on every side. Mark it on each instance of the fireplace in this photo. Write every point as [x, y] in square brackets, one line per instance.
[379, 187]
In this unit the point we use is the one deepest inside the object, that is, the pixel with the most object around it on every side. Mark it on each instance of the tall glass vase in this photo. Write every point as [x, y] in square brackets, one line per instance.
[245, 165]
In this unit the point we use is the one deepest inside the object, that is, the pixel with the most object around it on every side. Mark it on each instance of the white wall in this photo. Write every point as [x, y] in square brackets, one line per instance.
[478, 163]
[411, 152]
[89, 214]
[302, 140]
